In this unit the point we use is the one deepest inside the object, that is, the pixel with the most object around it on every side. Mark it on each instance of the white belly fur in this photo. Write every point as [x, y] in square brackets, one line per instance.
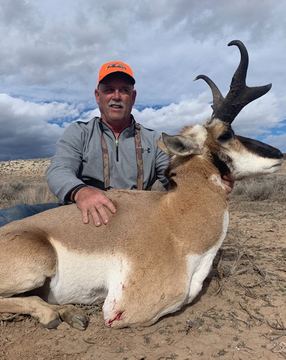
[84, 278]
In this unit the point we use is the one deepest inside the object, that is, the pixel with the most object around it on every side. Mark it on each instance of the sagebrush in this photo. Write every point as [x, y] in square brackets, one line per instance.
[258, 189]
[25, 192]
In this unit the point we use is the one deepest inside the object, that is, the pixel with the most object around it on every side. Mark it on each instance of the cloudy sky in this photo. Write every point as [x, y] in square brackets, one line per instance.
[51, 52]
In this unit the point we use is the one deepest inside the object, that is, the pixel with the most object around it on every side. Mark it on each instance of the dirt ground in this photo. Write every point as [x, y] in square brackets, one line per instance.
[240, 314]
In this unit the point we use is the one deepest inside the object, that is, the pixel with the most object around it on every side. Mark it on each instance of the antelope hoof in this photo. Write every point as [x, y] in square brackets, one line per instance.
[53, 324]
[75, 318]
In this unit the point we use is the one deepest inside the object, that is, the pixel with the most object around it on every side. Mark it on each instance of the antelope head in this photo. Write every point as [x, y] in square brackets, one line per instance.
[236, 156]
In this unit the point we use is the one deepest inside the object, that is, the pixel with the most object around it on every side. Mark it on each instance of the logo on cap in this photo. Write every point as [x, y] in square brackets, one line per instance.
[116, 65]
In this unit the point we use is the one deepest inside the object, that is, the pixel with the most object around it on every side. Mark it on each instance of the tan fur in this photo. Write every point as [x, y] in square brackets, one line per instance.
[16, 248]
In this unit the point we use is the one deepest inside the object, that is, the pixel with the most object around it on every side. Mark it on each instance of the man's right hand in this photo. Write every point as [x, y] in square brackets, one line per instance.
[94, 202]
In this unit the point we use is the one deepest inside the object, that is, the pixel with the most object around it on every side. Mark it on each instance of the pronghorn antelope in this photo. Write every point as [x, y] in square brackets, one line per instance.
[156, 251]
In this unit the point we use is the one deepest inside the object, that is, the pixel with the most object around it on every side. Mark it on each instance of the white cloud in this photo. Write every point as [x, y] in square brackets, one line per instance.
[26, 131]
[278, 140]
[172, 118]
[31, 130]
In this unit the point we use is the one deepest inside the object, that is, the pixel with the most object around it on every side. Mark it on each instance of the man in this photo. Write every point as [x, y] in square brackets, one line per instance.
[112, 151]
[108, 152]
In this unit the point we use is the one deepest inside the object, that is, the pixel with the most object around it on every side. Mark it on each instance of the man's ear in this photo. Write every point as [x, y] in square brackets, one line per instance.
[134, 94]
[96, 94]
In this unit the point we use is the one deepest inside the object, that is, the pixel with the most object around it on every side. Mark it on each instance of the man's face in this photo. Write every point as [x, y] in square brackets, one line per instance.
[115, 98]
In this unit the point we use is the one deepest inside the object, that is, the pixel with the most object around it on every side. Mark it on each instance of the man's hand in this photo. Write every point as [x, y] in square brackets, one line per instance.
[228, 184]
[95, 202]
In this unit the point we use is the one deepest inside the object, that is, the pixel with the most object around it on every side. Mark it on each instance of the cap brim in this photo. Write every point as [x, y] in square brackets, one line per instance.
[132, 80]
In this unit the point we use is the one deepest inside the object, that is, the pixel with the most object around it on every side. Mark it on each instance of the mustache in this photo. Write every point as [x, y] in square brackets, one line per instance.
[117, 103]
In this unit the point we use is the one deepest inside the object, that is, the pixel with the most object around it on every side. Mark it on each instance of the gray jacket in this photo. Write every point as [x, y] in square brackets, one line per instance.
[79, 160]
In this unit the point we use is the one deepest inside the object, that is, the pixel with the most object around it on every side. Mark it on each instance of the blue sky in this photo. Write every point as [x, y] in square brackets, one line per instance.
[51, 52]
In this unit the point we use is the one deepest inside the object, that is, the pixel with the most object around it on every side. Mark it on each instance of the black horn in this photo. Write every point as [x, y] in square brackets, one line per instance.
[239, 95]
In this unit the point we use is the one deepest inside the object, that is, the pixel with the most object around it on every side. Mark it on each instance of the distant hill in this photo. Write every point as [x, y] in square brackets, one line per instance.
[34, 167]
[30, 167]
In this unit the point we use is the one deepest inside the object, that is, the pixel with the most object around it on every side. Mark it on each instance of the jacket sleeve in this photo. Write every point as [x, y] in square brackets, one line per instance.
[162, 160]
[64, 171]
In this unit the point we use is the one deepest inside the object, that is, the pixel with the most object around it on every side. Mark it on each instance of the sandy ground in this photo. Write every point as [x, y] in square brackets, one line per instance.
[240, 314]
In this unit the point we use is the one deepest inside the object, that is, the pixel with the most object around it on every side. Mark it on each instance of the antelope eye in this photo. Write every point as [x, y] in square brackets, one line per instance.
[225, 136]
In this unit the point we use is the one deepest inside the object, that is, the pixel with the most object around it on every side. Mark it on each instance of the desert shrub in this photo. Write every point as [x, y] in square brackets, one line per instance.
[280, 182]
[37, 194]
[262, 188]
[18, 192]
[258, 191]
[238, 189]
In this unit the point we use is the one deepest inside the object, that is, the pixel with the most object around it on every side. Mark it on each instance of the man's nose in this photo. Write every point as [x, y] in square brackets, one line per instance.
[116, 94]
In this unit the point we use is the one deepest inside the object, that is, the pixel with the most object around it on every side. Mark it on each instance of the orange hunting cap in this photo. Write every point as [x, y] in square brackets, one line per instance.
[114, 67]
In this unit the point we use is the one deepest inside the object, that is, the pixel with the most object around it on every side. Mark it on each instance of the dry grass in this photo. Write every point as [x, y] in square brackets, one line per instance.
[21, 192]
[270, 187]
[24, 181]
[31, 187]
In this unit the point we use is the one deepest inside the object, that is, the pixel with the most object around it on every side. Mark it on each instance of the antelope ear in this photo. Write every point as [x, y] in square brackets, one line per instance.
[178, 145]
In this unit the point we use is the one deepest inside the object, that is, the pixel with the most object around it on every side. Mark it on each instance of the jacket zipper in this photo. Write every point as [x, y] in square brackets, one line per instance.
[116, 144]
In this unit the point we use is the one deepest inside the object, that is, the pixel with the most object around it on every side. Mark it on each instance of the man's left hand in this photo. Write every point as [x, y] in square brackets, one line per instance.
[228, 184]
